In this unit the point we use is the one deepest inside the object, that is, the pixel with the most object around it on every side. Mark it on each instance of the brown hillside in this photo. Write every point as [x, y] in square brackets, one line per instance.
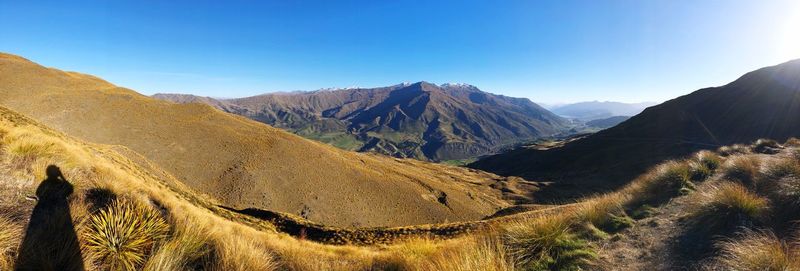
[248, 164]
[419, 120]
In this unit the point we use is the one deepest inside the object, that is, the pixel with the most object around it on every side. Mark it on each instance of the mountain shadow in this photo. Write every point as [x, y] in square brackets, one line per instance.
[50, 241]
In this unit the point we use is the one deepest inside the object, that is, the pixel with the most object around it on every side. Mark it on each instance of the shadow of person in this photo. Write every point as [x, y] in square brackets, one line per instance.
[50, 241]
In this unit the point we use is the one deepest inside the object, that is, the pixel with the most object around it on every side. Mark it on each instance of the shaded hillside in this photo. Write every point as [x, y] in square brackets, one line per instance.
[761, 104]
[244, 163]
[421, 120]
[587, 111]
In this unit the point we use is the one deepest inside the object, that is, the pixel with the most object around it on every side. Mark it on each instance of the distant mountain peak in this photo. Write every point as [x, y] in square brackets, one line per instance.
[418, 120]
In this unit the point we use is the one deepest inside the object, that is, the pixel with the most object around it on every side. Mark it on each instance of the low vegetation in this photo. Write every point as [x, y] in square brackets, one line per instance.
[127, 218]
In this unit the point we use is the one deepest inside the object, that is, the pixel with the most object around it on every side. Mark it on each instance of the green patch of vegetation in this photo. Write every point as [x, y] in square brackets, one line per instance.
[643, 211]
[459, 162]
[548, 244]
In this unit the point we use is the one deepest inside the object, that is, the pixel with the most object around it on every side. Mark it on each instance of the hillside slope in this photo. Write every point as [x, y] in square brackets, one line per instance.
[420, 120]
[761, 104]
[248, 164]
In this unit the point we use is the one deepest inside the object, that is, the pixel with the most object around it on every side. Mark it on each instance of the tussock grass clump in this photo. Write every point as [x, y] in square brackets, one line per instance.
[547, 243]
[782, 168]
[666, 181]
[729, 204]
[758, 251]
[792, 142]
[767, 146]
[735, 149]
[606, 213]
[10, 237]
[123, 235]
[743, 169]
[480, 253]
[704, 164]
[236, 254]
[187, 249]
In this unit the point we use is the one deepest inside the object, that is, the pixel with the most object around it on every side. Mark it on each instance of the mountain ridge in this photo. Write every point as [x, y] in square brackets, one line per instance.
[418, 120]
[764, 103]
[244, 163]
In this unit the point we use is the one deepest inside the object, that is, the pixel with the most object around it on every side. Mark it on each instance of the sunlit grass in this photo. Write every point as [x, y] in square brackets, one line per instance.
[122, 236]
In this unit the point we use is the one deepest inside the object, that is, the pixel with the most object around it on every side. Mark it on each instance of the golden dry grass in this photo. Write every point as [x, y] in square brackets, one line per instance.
[10, 237]
[759, 250]
[742, 168]
[727, 203]
[204, 236]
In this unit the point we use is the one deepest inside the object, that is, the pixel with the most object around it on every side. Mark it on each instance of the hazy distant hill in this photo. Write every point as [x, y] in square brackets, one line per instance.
[420, 120]
[244, 163]
[606, 122]
[761, 104]
[588, 111]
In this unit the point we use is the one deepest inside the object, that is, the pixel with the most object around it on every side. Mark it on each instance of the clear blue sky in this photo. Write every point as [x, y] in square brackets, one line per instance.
[548, 51]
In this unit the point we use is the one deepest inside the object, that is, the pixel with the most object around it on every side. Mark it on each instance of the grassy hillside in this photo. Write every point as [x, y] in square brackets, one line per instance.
[244, 163]
[89, 206]
[420, 120]
[761, 104]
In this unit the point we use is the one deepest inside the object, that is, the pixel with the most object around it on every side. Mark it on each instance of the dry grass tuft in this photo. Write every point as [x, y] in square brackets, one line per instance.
[735, 149]
[792, 142]
[664, 182]
[606, 213]
[547, 243]
[758, 251]
[122, 236]
[187, 249]
[483, 253]
[10, 237]
[767, 146]
[729, 204]
[704, 164]
[743, 169]
[237, 254]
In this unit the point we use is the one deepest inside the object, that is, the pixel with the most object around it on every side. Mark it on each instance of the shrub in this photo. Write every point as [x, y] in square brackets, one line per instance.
[768, 146]
[729, 204]
[123, 235]
[743, 168]
[547, 244]
[758, 251]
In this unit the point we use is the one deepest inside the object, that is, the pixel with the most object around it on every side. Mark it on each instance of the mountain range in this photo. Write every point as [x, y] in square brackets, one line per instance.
[761, 104]
[419, 120]
[246, 164]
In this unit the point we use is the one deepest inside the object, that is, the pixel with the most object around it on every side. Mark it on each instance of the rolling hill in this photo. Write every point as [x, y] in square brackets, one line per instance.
[420, 120]
[246, 164]
[761, 104]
